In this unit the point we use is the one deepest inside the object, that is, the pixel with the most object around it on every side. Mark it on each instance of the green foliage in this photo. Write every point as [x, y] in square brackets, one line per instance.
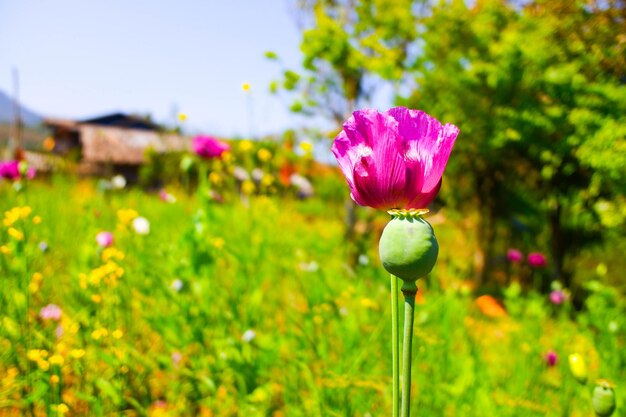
[349, 51]
[539, 115]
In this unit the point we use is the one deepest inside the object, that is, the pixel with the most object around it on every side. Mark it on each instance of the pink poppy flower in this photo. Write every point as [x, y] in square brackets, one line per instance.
[557, 297]
[394, 159]
[514, 256]
[551, 358]
[51, 312]
[104, 239]
[209, 147]
[10, 170]
[14, 170]
[537, 260]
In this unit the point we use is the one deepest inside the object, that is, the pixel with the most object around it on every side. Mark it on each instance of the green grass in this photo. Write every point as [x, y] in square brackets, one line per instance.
[277, 267]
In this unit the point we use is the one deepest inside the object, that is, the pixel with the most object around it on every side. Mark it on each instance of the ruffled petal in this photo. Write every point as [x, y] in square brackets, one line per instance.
[388, 175]
[423, 200]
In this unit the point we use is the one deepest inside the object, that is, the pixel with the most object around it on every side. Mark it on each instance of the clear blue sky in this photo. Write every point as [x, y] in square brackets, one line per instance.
[79, 58]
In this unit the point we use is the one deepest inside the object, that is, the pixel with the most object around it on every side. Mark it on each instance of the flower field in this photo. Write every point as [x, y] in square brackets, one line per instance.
[251, 307]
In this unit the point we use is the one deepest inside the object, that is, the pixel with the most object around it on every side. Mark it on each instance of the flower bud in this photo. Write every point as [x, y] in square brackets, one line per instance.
[578, 367]
[603, 399]
[408, 247]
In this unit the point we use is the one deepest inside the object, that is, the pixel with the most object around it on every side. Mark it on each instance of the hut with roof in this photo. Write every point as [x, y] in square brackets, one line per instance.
[114, 143]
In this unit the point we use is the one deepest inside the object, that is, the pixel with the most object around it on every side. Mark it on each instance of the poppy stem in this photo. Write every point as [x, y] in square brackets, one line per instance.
[409, 290]
[395, 347]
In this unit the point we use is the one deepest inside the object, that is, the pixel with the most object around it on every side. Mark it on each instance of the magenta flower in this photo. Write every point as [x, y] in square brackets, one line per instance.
[10, 170]
[104, 239]
[514, 256]
[51, 312]
[394, 159]
[557, 297]
[537, 260]
[14, 170]
[551, 358]
[209, 147]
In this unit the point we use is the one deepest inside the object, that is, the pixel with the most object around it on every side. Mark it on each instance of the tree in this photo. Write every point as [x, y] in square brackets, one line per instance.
[539, 96]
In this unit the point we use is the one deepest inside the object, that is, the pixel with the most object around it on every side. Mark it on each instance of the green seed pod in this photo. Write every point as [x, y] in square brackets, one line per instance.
[408, 248]
[603, 399]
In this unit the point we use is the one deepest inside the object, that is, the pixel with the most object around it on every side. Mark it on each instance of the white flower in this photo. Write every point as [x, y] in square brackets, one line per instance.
[309, 266]
[141, 225]
[257, 175]
[177, 285]
[240, 174]
[118, 182]
[248, 335]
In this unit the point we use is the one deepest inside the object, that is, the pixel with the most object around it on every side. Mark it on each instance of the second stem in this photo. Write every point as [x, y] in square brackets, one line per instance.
[409, 290]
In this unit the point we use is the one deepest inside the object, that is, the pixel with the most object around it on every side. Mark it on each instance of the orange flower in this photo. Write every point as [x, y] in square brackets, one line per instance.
[489, 306]
[285, 174]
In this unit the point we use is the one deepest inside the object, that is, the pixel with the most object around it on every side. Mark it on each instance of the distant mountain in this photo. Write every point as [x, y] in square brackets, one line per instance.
[29, 117]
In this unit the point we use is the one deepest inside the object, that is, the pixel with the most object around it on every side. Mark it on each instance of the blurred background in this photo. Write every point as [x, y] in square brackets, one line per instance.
[177, 238]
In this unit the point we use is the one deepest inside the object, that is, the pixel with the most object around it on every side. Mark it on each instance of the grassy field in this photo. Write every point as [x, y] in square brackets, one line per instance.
[249, 308]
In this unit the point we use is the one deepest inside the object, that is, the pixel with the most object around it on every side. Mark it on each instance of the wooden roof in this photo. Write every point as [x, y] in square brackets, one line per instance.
[120, 145]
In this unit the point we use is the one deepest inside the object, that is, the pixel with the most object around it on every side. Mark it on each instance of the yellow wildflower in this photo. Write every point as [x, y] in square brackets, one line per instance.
[112, 253]
[578, 367]
[182, 117]
[54, 379]
[43, 364]
[117, 334]
[227, 157]
[245, 146]
[307, 147]
[369, 303]
[77, 353]
[62, 408]
[5, 250]
[56, 359]
[218, 243]
[16, 234]
[126, 216]
[215, 178]
[247, 187]
[34, 354]
[24, 211]
[267, 180]
[96, 298]
[246, 87]
[264, 155]
[36, 220]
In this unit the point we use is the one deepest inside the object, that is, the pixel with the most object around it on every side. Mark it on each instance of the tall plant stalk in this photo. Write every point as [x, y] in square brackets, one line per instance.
[409, 290]
[395, 347]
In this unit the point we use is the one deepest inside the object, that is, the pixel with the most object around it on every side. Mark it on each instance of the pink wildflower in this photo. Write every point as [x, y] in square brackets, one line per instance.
[394, 159]
[51, 312]
[14, 170]
[104, 239]
[551, 358]
[514, 256]
[209, 147]
[537, 260]
[557, 297]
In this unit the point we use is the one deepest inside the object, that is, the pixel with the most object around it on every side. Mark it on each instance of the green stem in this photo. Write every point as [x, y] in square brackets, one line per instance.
[395, 347]
[409, 289]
